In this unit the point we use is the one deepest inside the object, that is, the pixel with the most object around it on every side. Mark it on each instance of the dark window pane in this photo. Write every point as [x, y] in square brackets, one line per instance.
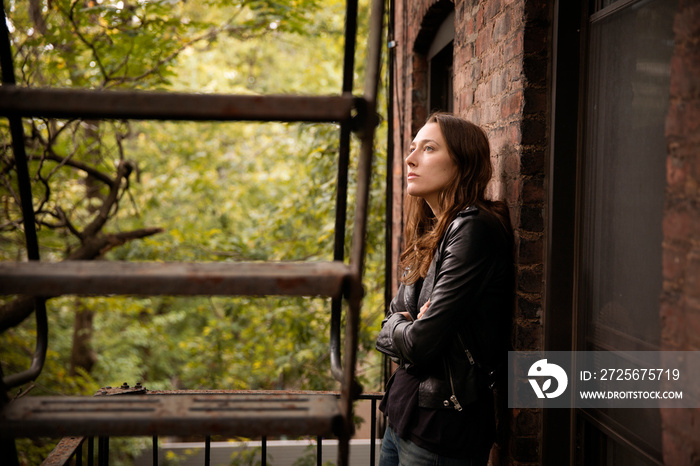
[624, 176]
[624, 179]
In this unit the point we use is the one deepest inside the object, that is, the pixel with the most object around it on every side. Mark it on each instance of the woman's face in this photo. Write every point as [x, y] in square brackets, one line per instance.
[430, 167]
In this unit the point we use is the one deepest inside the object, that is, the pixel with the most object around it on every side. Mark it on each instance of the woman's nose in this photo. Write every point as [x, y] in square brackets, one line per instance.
[410, 158]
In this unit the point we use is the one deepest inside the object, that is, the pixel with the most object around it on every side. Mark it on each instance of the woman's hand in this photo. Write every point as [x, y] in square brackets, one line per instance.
[420, 314]
[423, 309]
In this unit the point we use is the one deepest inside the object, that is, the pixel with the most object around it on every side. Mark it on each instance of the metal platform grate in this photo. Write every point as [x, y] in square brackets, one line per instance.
[175, 414]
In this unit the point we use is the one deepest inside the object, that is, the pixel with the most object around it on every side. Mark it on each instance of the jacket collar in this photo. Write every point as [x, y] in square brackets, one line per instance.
[471, 210]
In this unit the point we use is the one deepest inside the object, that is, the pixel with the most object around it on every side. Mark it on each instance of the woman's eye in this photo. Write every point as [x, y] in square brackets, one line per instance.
[429, 148]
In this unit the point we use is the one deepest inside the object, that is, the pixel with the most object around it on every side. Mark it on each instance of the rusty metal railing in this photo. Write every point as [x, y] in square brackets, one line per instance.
[57, 417]
[89, 451]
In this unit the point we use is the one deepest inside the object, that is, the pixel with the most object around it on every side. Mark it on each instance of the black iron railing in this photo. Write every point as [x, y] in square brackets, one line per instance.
[89, 451]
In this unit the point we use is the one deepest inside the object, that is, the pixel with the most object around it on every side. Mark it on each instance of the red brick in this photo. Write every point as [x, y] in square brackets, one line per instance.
[492, 8]
[530, 251]
[490, 61]
[471, 26]
[535, 41]
[513, 191]
[671, 419]
[483, 41]
[492, 114]
[533, 191]
[512, 105]
[475, 71]
[466, 53]
[676, 174]
[532, 162]
[675, 450]
[685, 72]
[532, 219]
[530, 279]
[671, 325]
[536, 101]
[681, 429]
[502, 27]
[533, 131]
[527, 309]
[692, 279]
[528, 422]
[528, 337]
[687, 23]
[674, 263]
[683, 119]
[691, 326]
[511, 162]
[676, 225]
[482, 93]
[535, 69]
[498, 83]
[537, 11]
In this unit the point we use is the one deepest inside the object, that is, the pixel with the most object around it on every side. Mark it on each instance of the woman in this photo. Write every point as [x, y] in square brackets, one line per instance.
[448, 328]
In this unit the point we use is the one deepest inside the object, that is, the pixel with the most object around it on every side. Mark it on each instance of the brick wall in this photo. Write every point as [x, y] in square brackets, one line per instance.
[501, 65]
[680, 300]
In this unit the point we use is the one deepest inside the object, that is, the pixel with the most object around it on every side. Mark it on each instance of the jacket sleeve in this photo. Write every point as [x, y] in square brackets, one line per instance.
[385, 342]
[466, 255]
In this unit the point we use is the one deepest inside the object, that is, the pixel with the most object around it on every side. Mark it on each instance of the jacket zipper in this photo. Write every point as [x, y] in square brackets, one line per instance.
[466, 350]
[453, 398]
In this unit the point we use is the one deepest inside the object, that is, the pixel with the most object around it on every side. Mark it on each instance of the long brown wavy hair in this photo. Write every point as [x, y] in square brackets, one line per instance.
[468, 146]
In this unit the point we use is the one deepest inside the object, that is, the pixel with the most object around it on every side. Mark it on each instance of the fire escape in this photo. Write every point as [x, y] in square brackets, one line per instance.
[201, 413]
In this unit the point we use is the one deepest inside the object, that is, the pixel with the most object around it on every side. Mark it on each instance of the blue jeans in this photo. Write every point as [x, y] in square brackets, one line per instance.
[399, 452]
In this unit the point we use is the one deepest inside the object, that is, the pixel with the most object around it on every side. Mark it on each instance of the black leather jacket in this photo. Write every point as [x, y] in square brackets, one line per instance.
[471, 301]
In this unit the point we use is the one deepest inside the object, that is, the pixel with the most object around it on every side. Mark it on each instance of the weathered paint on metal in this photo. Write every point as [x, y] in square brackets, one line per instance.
[177, 279]
[147, 105]
[174, 414]
[63, 451]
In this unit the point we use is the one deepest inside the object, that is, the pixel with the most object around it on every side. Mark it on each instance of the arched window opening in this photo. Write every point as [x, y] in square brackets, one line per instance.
[441, 68]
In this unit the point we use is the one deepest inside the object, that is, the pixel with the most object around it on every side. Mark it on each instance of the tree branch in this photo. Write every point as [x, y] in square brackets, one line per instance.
[123, 171]
[106, 179]
[14, 312]
[210, 35]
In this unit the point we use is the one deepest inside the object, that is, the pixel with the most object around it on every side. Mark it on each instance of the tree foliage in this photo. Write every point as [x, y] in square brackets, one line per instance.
[166, 191]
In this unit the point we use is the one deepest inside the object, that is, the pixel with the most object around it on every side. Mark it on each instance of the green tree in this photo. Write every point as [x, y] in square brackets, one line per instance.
[224, 191]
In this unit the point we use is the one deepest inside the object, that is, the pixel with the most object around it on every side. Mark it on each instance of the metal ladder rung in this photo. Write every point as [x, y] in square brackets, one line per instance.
[145, 105]
[176, 279]
[179, 415]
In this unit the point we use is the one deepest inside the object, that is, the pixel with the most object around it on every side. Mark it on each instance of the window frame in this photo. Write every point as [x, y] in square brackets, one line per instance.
[590, 431]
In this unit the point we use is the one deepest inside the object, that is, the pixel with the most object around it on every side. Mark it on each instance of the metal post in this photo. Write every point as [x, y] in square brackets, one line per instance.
[155, 450]
[263, 452]
[103, 451]
[79, 455]
[341, 198]
[25, 194]
[91, 451]
[373, 433]
[389, 180]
